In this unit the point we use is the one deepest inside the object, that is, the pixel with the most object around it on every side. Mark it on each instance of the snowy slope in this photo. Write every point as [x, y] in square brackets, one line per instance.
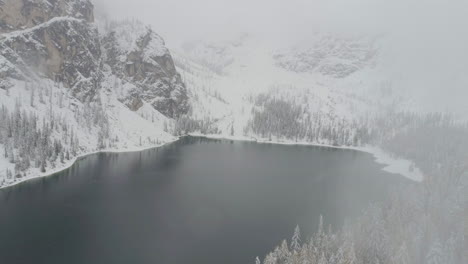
[128, 130]
[305, 74]
[68, 88]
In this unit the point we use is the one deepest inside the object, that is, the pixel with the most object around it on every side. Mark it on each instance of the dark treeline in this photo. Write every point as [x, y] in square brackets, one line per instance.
[281, 119]
[185, 125]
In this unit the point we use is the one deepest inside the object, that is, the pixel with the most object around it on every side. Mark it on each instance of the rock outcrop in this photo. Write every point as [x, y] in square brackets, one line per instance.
[138, 55]
[22, 14]
[63, 49]
[57, 39]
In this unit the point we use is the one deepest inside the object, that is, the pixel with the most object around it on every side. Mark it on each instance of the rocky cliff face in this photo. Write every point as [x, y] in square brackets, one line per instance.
[63, 49]
[22, 14]
[138, 56]
[56, 39]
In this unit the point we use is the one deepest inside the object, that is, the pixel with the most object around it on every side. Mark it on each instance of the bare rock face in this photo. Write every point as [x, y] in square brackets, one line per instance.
[52, 39]
[22, 14]
[56, 39]
[11, 64]
[63, 49]
[138, 55]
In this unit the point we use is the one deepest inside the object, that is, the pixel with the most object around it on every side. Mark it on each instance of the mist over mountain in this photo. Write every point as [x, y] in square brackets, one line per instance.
[424, 40]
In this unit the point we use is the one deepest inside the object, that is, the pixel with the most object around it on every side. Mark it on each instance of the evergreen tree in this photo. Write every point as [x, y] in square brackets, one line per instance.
[32, 98]
[43, 166]
[257, 260]
[296, 240]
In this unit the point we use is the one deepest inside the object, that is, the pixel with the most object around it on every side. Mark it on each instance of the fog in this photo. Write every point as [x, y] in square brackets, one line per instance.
[178, 20]
[362, 127]
[427, 38]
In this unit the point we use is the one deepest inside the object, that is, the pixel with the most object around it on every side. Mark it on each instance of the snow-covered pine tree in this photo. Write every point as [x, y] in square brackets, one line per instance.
[257, 260]
[296, 240]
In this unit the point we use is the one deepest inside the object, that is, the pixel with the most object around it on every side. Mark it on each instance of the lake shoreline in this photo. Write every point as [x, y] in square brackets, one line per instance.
[192, 189]
[67, 165]
[392, 165]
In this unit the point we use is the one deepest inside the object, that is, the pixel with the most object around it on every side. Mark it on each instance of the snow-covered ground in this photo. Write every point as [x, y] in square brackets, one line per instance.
[247, 66]
[35, 174]
[129, 131]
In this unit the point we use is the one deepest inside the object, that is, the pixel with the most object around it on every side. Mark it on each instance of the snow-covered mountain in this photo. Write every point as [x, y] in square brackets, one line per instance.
[138, 56]
[336, 78]
[330, 55]
[70, 86]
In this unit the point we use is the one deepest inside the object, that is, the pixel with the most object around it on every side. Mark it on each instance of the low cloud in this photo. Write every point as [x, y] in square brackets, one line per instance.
[428, 36]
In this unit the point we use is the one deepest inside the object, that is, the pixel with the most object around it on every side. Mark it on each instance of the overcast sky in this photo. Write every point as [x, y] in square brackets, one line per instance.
[430, 35]
[181, 19]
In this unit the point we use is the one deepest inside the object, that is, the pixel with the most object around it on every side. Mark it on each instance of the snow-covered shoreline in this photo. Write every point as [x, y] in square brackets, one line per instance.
[72, 162]
[392, 165]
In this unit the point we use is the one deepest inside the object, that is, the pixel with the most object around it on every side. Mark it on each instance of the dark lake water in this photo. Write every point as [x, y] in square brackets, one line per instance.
[191, 202]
